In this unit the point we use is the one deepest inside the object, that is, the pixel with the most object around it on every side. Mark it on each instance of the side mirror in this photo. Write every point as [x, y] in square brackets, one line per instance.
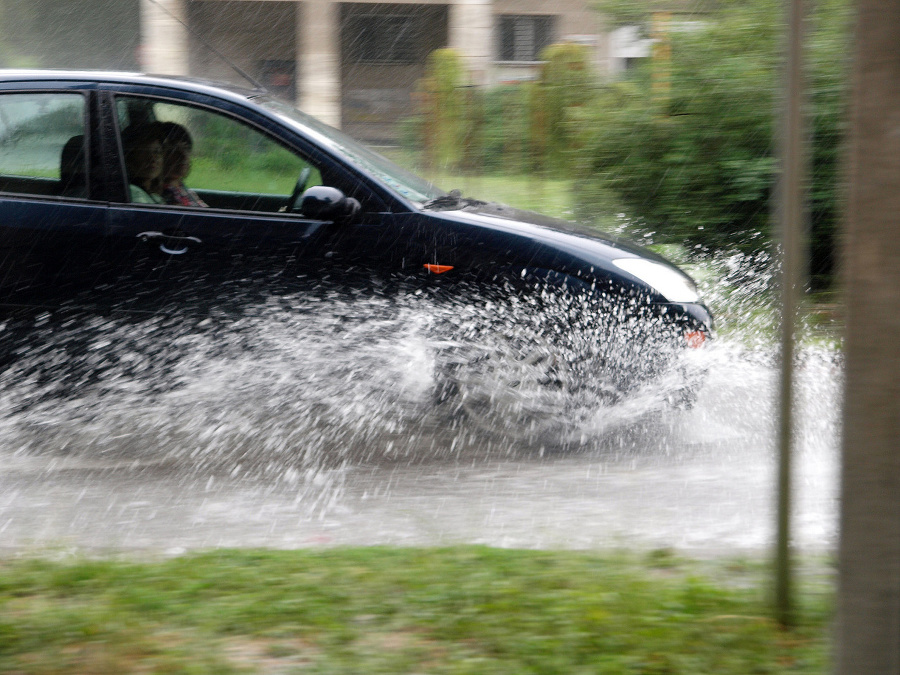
[327, 203]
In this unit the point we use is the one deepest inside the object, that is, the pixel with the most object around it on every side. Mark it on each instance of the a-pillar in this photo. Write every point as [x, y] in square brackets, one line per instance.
[319, 61]
[164, 37]
[472, 34]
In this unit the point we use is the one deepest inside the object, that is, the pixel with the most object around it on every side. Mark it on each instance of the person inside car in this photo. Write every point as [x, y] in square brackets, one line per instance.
[72, 175]
[177, 146]
[143, 150]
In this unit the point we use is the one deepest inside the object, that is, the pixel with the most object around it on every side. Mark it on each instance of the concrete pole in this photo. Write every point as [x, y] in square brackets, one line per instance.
[472, 35]
[164, 38]
[319, 61]
[868, 631]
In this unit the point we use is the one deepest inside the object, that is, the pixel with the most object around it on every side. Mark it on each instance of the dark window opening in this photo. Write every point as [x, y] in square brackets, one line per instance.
[383, 38]
[522, 38]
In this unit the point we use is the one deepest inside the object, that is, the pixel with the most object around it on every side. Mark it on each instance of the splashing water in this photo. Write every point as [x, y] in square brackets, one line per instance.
[322, 406]
[296, 381]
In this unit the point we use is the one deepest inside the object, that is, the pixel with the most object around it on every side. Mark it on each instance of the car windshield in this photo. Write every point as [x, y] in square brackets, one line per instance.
[408, 184]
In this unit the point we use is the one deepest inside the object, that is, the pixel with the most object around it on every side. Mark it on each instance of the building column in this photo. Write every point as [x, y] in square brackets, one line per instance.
[319, 61]
[164, 37]
[472, 35]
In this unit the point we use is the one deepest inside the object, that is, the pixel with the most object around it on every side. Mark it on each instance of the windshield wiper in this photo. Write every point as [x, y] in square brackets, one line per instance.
[451, 200]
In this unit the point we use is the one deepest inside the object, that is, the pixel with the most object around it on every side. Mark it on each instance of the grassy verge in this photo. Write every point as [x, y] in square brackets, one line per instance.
[378, 610]
[551, 196]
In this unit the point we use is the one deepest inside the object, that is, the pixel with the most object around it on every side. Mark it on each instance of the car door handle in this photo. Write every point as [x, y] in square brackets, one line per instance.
[171, 243]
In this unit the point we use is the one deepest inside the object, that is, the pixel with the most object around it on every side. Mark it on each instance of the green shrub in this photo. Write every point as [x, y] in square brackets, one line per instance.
[566, 83]
[509, 128]
[696, 165]
[699, 165]
[443, 108]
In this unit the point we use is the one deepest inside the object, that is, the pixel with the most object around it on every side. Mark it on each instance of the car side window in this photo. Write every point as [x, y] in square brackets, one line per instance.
[210, 159]
[42, 144]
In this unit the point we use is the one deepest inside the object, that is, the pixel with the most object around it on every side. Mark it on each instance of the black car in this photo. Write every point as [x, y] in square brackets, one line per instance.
[280, 203]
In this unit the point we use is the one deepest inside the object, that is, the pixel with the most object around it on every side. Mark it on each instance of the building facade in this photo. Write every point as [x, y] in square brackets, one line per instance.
[352, 64]
[356, 64]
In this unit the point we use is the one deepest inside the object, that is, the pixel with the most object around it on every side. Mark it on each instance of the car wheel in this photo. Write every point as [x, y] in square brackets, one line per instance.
[517, 392]
[522, 392]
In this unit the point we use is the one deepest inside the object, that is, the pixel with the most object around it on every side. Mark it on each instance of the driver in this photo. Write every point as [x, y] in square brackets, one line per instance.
[143, 161]
[177, 146]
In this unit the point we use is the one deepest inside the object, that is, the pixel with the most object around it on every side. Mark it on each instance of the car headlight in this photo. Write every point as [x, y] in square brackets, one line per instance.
[671, 284]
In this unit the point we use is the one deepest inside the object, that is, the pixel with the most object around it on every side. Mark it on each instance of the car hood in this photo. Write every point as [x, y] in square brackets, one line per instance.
[542, 226]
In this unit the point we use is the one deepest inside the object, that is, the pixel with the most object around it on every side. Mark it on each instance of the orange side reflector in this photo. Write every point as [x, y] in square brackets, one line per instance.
[695, 338]
[438, 269]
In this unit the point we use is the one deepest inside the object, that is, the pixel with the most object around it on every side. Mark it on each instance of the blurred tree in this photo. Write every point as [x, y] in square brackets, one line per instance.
[510, 128]
[698, 165]
[14, 17]
[54, 34]
[566, 81]
[506, 146]
[472, 129]
[620, 13]
[868, 627]
[442, 104]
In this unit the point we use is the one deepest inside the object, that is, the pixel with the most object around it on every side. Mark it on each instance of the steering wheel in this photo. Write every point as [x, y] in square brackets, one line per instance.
[294, 199]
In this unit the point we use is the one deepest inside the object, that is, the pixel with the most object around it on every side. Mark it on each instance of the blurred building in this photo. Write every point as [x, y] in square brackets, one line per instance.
[352, 64]
[356, 64]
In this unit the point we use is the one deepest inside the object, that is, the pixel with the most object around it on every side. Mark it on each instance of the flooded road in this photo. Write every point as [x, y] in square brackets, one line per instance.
[699, 480]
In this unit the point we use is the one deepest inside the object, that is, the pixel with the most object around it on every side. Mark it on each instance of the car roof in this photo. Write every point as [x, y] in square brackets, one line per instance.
[122, 77]
[311, 129]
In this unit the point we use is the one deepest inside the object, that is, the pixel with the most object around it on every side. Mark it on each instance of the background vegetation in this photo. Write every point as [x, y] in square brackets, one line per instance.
[685, 145]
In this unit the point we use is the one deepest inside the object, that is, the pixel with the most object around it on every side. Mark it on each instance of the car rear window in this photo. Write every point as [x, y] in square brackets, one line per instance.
[42, 144]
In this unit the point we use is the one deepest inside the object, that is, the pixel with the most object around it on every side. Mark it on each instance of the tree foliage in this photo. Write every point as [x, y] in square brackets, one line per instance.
[697, 162]
[512, 128]
[10, 27]
[686, 145]
[566, 82]
[442, 102]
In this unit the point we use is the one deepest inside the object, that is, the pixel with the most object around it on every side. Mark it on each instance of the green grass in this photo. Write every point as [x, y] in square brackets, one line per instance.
[379, 610]
[551, 196]
[546, 195]
[210, 175]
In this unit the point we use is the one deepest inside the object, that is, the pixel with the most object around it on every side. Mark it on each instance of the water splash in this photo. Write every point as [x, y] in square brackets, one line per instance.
[301, 381]
[292, 397]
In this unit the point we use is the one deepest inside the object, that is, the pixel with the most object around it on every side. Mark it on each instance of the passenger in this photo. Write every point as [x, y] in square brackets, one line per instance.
[143, 161]
[72, 175]
[177, 147]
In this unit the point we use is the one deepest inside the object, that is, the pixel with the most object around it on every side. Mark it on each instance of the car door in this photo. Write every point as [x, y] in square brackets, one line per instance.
[240, 239]
[52, 212]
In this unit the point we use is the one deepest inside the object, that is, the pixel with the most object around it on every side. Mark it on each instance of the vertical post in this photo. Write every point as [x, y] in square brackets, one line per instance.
[164, 37]
[319, 61]
[791, 211]
[868, 626]
[471, 32]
